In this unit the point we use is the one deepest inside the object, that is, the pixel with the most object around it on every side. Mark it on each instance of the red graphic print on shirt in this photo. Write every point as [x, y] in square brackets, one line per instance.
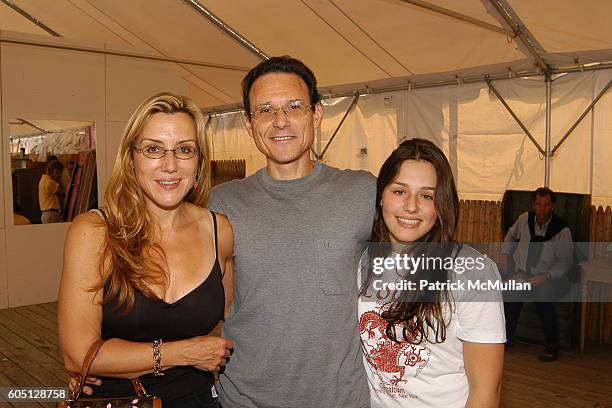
[388, 356]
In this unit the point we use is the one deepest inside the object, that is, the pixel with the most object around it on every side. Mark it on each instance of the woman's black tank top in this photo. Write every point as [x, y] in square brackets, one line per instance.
[195, 314]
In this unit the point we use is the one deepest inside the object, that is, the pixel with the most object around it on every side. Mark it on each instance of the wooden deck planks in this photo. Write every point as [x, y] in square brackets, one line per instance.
[44, 339]
[30, 355]
[29, 351]
[573, 381]
[38, 362]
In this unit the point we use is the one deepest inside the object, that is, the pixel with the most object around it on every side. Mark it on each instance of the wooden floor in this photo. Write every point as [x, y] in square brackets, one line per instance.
[574, 380]
[30, 356]
[29, 350]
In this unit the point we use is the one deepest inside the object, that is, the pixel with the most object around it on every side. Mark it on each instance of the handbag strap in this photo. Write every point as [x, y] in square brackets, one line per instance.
[89, 357]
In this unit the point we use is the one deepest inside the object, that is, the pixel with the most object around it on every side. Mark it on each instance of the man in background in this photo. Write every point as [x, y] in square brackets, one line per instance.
[540, 243]
[50, 195]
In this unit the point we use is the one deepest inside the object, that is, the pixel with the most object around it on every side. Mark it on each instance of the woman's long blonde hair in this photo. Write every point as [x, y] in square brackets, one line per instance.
[131, 259]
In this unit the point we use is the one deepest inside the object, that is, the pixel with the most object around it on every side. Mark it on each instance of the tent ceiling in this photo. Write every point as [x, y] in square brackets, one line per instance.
[350, 44]
[28, 126]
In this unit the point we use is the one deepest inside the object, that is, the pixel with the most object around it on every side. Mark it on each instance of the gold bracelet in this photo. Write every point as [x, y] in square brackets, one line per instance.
[157, 371]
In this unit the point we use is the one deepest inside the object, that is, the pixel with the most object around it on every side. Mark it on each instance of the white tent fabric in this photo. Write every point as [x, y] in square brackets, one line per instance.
[490, 153]
[367, 136]
[349, 44]
[230, 140]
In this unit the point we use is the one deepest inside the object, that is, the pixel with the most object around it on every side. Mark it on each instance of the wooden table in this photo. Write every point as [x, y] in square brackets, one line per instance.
[594, 270]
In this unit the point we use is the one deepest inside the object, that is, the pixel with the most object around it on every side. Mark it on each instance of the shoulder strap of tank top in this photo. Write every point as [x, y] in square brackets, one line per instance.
[215, 235]
[101, 213]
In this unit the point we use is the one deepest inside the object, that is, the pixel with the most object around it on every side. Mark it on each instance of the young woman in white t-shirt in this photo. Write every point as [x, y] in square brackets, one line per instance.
[430, 346]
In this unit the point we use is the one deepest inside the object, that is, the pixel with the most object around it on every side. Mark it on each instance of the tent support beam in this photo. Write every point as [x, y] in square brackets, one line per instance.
[227, 29]
[520, 31]
[459, 16]
[465, 80]
[516, 118]
[26, 122]
[317, 154]
[350, 108]
[587, 110]
[425, 85]
[119, 54]
[548, 114]
[31, 18]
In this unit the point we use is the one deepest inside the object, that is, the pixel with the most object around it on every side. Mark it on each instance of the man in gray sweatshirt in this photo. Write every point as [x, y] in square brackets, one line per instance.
[298, 227]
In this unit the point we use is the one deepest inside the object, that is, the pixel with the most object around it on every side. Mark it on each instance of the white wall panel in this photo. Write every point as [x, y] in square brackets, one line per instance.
[34, 254]
[45, 83]
[3, 271]
[129, 81]
[42, 83]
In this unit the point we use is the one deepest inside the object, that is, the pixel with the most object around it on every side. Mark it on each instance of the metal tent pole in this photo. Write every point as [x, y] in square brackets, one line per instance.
[522, 33]
[333, 136]
[586, 111]
[465, 18]
[100, 51]
[318, 142]
[411, 85]
[197, 6]
[31, 18]
[516, 118]
[548, 112]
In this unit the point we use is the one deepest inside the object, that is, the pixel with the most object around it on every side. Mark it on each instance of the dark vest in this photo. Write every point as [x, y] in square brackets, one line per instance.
[555, 225]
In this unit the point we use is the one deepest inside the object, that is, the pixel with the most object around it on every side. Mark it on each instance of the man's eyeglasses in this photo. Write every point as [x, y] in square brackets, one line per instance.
[183, 152]
[293, 110]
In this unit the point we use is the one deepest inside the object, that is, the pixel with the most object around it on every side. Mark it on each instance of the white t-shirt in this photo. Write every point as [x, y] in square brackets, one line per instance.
[429, 374]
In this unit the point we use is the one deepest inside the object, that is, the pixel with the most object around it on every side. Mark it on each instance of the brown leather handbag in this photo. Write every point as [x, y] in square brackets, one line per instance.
[139, 400]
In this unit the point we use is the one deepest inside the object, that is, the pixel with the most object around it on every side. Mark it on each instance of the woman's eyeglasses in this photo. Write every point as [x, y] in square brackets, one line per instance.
[183, 152]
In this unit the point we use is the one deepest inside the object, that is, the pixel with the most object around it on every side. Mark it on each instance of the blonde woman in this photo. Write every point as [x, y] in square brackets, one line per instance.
[152, 271]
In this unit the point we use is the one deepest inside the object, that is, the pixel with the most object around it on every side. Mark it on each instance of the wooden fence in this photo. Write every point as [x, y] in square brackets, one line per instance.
[480, 223]
[600, 229]
[225, 170]
[599, 315]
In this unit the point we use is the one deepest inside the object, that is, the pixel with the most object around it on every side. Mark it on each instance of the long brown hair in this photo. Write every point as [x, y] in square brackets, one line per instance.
[420, 311]
[131, 259]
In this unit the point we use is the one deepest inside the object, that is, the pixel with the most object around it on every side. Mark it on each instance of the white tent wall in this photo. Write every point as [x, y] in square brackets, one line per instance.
[570, 169]
[54, 84]
[489, 151]
[476, 133]
[42, 83]
[367, 135]
[230, 140]
[601, 168]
